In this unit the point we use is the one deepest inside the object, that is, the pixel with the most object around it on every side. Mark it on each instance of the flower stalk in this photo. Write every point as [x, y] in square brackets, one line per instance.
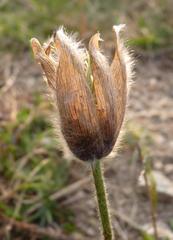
[102, 200]
[90, 96]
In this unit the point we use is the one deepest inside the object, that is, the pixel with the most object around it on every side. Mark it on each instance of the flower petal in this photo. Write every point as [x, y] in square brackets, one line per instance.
[75, 102]
[48, 66]
[104, 93]
[118, 70]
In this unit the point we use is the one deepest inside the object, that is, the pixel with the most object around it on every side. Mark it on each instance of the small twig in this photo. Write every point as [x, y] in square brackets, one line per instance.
[62, 193]
[152, 209]
[121, 233]
[32, 228]
[119, 215]
[149, 191]
[11, 80]
[15, 185]
[23, 160]
[19, 130]
[127, 220]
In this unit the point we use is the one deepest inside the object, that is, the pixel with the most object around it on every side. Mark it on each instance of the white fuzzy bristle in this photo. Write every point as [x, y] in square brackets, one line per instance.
[118, 28]
[70, 42]
[124, 53]
[100, 58]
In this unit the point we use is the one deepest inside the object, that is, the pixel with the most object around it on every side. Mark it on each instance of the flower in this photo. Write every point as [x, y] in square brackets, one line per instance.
[90, 93]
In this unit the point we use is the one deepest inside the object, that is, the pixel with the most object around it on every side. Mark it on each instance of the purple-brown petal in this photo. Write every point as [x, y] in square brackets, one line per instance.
[104, 93]
[76, 104]
[118, 71]
[47, 65]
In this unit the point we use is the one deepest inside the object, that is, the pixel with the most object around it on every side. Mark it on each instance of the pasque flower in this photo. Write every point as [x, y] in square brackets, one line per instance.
[90, 93]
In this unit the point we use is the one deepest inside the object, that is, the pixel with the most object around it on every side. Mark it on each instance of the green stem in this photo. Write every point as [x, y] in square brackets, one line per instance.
[152, 205]
[102, 200]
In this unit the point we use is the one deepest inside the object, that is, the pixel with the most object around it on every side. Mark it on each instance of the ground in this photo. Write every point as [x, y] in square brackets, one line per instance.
[148, 129]
[151, 109]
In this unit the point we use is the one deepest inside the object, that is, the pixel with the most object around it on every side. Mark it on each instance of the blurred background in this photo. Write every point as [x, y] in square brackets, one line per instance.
[42, 194]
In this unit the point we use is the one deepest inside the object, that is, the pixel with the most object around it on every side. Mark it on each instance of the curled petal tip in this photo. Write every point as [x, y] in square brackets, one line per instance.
[94, 41]
[119, 28]
[54, 34]
[34, 42]
[99, 37]
[36, 46]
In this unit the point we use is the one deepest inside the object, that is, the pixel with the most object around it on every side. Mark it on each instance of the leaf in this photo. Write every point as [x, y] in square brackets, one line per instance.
[146, 236]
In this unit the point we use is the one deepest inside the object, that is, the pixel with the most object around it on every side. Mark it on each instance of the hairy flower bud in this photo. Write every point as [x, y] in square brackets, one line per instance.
[91, 100]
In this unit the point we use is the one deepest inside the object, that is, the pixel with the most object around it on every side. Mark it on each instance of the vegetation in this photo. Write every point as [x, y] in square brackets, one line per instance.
[32, 167]
[151, 22]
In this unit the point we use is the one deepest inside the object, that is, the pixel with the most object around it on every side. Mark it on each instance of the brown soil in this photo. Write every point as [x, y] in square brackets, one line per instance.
[150, 106]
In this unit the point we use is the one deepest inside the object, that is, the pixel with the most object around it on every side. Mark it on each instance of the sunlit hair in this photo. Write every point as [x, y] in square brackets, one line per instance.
[90, 94]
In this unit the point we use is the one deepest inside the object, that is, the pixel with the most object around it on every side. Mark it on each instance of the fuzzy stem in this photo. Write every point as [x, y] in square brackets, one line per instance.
[102, 200]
